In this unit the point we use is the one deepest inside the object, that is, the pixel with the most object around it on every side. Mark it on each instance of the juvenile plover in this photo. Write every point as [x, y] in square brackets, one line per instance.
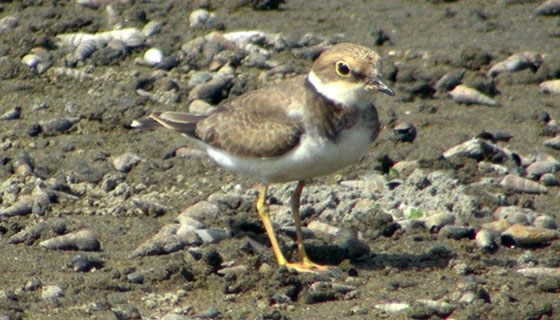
[308, 126]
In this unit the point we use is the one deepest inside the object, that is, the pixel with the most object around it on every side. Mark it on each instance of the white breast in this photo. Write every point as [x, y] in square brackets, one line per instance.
[314, 156]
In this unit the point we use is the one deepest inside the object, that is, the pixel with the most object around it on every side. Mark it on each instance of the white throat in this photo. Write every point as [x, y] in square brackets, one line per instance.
[342, 93]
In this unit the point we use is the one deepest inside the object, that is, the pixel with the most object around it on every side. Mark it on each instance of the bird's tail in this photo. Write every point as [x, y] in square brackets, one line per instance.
[177, 121]
[145, 123]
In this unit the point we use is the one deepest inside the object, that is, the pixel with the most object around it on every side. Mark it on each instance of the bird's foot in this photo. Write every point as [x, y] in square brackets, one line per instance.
[306, 266]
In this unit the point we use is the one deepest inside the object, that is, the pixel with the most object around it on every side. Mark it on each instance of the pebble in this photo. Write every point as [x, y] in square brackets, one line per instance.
[82, 263]
[538, 168]
[198, 106]
[58, 126]
[549, 180]
[200, 210]
[547, 8]
[152, 28]
[545, 222]
[51, 292]
[163, 242]
[405, 168]
[38, 59]
[515, 215]
[526, 236]
[29, 234]
[125, 162]
[485, 167]
[152, 57]
[392, 307]
[32, 285]
[86, 43]
[212, 235]
[553, 143]
[147, 205]
[450, 80]
[201, 18]
[550, 86]
[519, 184]
[485, 240]
[475, 148]
[212, 91]
[405, 132]
[26, 205]
[537, 272]
[457, 232]
[199, 77]
[13, 114]
[517, 62]
[84, 240]
[8, 23]
[437, 221]
[318, 226]
[466, 95]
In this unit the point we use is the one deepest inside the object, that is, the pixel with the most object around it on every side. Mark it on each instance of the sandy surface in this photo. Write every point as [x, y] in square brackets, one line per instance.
[426, 39]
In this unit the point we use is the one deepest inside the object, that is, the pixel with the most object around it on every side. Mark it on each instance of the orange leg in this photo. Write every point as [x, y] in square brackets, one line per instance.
[305, 264]
[262, 209]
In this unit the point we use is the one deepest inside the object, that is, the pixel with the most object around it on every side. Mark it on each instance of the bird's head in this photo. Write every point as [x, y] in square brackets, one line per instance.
[348, 74]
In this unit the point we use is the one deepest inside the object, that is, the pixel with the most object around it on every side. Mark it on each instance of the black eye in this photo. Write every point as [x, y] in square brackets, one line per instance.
[342, 69]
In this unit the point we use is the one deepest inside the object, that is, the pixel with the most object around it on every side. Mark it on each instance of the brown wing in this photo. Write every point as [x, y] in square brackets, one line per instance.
[257, 124]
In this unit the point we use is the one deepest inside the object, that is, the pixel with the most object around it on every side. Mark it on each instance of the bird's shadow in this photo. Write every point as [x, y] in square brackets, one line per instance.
[436, 257]
[335, 255]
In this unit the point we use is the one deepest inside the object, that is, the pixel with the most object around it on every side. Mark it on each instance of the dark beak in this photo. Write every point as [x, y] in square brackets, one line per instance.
[382, 87]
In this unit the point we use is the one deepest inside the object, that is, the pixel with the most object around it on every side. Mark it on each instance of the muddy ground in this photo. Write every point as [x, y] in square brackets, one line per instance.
[420, 41]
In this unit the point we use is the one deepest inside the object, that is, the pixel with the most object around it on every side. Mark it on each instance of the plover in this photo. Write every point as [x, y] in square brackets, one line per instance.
[308, 126]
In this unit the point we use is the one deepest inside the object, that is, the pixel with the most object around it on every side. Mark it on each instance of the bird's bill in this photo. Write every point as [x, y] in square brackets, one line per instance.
[381, 86]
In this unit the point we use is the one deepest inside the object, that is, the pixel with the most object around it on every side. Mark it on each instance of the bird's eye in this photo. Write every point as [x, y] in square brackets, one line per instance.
[342, 69]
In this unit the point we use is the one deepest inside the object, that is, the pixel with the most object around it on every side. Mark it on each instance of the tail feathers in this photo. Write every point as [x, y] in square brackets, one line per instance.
[177, 121]
[146, 123]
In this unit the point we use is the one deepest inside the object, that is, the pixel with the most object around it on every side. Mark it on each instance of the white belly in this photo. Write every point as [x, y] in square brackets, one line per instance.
[313, 157]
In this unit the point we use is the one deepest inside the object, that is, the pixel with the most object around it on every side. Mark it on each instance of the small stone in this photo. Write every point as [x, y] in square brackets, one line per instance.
[13, 114]
[457, 232]
[519, 184]
[211, 235]
[51, 292]
[526, 236]
[549, 180]
[80, 240]
[153, 57]
[32, 285]
[405, 132]
[545, 222]
[537, 272]
[393, 307]
[475, 148]
[318, 226]
[553, 143]
[514, 215]
[485, 240]
[58, 126]
[82, 263]
[125, 162]
[201, 107]
[437, 221]
[200, 211]
[538, 168]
